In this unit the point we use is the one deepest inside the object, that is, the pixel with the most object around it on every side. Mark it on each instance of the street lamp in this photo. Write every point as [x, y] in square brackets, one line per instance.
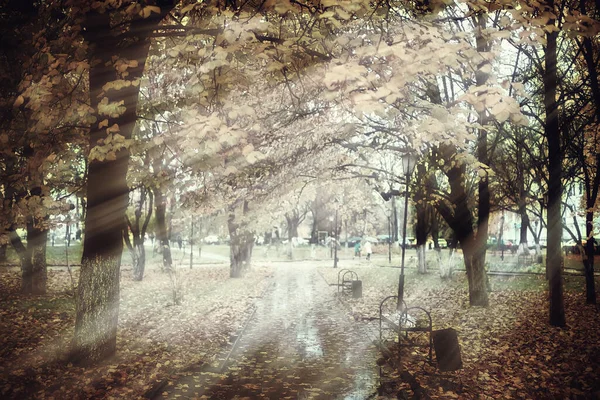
[502, 236]
[331, 237]
[335, 244]
[409, 160]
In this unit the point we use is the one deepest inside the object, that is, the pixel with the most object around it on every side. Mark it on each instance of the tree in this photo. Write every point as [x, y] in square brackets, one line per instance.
[555, 188]
[117, 61]
[138, 228]
[40, 112]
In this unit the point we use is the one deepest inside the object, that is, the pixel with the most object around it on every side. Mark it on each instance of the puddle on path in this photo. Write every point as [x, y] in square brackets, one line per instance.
[308, 342]
[301, 344]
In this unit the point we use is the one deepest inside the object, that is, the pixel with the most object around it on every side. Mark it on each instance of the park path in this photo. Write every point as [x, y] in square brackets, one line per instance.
[300, 344]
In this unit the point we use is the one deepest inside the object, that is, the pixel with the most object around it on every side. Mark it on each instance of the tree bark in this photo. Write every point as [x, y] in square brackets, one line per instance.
[476, 274]
[593, 186]
[36, 246]
[162, 234]
[241, 245]
[554, 258]
[590, 284]
[137, 250]
[25, 259]
[3, 248]
[460, 219]
[97, 309]
[421, 236]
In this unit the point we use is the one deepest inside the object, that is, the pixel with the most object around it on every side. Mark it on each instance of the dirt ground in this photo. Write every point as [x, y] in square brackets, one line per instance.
[283, 332]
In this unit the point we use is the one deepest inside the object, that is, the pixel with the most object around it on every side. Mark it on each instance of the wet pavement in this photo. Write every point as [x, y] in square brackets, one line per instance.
[299, 344]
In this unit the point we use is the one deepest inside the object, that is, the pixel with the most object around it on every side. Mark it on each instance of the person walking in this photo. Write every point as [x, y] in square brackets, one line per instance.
[357, 249]
[368, 249]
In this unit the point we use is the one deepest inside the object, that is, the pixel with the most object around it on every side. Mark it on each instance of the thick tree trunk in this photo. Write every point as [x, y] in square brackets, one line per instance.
[25, 259]
[3, 248]
[292, 232]
[240, 247]
[36, 245]
[97, 307]
[460, 220]
[554, 258]
[523, 248]
[476, 273]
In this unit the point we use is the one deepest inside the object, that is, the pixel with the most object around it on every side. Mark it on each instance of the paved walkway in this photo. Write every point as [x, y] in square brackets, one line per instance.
[300, 344]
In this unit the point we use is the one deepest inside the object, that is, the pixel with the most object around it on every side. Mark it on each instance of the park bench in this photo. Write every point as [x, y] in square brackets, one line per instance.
[348, 282]
[524, 260]
[410, 324]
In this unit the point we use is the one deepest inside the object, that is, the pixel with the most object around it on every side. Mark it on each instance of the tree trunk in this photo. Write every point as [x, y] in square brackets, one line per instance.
[523, 248]
[36, 246]
[3, 248]
[395, 229]
[421, 259]
[554, 258]
[422, 226]
[97, 308]
[292, 231]
[590, 284]
[460, 219]
[476, 274]
[140, 255]
[240, 247]
[25, 259]
[593, 186]
[161, 229]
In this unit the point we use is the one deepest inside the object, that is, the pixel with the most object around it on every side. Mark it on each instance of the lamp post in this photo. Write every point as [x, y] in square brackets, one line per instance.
[409, 160]
[331, 237]
[502, 236]
[335, 244]
[390, 238]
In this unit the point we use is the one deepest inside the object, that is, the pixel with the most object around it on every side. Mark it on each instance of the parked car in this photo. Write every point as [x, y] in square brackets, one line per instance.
[543, 244]
[411, 242]
[211, 239]
[571, 247]
[441, 242]
[384, 239]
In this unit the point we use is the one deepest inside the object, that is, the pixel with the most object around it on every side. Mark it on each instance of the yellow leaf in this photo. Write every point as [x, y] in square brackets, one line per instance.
[114, 128]
[146, 11]
[103, 124]
[187, 8]
[20, 100]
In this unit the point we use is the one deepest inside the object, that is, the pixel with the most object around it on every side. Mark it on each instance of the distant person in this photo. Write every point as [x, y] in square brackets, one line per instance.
[179, 242]
[357, 249]
[368, 249]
